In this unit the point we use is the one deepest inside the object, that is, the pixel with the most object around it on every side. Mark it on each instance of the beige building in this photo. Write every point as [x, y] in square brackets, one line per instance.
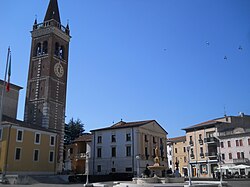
[25, 149]
[179, 154]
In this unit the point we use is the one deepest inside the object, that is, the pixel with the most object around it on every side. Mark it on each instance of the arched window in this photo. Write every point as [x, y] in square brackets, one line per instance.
[38, 50]
[57, 48]
[45, 47]
[61, 52]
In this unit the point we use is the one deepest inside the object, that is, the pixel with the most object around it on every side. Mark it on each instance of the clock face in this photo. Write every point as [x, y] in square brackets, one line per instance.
[58, 69]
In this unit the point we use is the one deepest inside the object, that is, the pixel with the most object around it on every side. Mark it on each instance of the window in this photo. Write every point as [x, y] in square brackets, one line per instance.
[242, 155]
[185, 159]
[113, 139]
[18, 153]
[200, 137]
[1, 133]
[170, 152]
[113, 170]
[45, 47]
[175, 150]
[201, 149]
[230, 155]
[184, 149]
[99, 152]
[238, 155]
[228, 143]
[170, 162]
[248, 141]
[36, 155]
[128, 151]
[128, 137]
[223, 156]
[222, 144]
[51, 156]
[52, 140]
[237, 142]
[154, 141]
[128, 169]
[37, 138]
[99, 168]
[146, 153]
[113, 154]
[146, 138]
[99, 139]
[19, 137]
[241, 143]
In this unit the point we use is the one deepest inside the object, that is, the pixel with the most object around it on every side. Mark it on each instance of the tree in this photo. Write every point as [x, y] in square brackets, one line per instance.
[73, 130]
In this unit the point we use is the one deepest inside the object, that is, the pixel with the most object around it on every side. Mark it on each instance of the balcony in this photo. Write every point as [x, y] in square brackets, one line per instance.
[241, 161]
[191, 143]
[211, 155]
[202, 155]
[200, 141]
[210, 140]
[192, 155]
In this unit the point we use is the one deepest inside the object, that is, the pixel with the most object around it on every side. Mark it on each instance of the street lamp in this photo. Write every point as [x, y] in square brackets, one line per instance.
[219, 158]
[189, 168]
[138, 165]
[87, 184]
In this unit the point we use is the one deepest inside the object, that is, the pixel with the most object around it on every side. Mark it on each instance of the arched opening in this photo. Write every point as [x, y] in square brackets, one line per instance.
[45, 47]
[57, 48]
[61, 52]
[37, 50]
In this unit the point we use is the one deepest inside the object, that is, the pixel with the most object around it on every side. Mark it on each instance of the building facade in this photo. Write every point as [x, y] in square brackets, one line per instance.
[127, 147]
[47, 77]
[234, 136]
[25, 149]
[179, 155]
[221, 141]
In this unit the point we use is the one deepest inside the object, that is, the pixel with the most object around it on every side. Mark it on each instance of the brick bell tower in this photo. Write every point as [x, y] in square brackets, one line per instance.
[47, 78]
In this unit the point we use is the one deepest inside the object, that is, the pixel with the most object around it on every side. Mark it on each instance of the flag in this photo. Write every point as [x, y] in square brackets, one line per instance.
[9, 74]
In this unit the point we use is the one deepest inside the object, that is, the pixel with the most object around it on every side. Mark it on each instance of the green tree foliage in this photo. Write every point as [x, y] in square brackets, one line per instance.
[73, 130]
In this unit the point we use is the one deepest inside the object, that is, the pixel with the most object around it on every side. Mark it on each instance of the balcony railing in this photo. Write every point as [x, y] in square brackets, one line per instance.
[191, 143]
[241, 161]
[211, 154]
[210, 140]
[200, 141]
[202, 155]
[192, 155]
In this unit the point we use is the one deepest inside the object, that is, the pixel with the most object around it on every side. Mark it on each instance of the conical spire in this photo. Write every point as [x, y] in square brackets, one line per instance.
[52, 11]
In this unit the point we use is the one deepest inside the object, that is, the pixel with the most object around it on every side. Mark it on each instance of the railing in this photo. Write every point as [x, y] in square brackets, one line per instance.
[210, 140]
[51, 23]
[200, 141]
[191, 143]
[211, 154]
[241, 161]
[201, 155]
[192, 155]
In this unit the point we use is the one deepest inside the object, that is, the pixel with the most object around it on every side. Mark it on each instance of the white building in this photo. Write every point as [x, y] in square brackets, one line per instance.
[234, 137]
[169, 154]
[127, 147]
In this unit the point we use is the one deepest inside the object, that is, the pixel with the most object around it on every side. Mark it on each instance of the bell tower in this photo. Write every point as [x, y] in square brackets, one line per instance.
[47, 78]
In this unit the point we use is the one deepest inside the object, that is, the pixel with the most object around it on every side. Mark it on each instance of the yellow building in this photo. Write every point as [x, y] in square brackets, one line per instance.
[26, 149]
[179, 154]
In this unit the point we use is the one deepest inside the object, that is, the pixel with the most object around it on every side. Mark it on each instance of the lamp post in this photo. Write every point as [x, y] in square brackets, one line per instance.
[138, 165]
[87, 184]
[219, 158]
[189, 168]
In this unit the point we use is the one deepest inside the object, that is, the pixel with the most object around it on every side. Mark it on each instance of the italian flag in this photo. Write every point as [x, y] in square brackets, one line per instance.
[9, 74]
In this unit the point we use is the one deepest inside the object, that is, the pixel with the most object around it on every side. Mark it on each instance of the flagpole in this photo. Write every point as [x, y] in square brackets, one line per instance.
[4, 84]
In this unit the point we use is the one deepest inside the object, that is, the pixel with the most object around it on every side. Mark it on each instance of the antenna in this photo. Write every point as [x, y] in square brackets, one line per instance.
[225, 112]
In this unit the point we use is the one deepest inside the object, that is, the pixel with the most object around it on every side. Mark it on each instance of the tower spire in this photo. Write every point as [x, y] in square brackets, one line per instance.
[52, 11]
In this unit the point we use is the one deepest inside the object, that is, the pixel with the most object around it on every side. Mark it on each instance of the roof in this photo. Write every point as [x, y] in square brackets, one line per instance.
[178, 139]
[11, 85]
[84, 138]
[52, 11]
[6, 120]
[206, 124]
[123, 124]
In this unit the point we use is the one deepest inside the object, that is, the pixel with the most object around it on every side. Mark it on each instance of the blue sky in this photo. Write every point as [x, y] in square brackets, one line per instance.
[142, 59]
